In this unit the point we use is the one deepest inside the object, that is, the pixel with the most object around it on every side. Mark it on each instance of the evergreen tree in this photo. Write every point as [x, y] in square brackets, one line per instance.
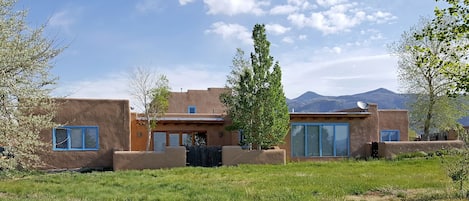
[257, 103]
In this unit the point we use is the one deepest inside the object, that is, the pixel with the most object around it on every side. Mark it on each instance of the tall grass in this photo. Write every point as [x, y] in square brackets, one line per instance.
[294, 181]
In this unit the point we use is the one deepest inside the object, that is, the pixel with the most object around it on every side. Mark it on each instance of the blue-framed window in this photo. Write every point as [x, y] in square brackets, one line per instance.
[390, 135]
[191, 109]
[320, 139]
[75, 138]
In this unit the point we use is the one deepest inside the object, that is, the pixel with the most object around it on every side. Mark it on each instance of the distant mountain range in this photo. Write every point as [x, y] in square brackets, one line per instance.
[386, 99]
[313, 102]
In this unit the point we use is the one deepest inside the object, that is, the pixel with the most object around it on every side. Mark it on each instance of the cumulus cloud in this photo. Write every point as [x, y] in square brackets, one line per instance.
[327, 3]
[338, 17]
[381, 17]
[234, 7]
[231, 31]
[301, 4]
[276, 29]
[291, 7]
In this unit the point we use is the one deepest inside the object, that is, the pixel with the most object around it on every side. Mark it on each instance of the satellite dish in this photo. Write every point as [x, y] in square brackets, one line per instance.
[362, 105]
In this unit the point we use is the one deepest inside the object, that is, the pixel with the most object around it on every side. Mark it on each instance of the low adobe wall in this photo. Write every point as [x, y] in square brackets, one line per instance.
[138, 160]
[391, 149]
[234, 155]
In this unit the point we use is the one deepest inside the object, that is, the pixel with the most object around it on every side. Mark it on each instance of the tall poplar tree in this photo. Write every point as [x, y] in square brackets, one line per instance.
[257, 103]
[26, 107]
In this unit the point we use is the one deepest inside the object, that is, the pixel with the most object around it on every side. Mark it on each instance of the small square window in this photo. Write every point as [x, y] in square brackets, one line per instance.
[191, 109]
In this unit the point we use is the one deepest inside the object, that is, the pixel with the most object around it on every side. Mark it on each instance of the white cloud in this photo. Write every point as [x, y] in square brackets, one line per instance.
[338, 17]
[115, 85]
[146, 6]
[194, 77]
[343, 75]
[231, 31]
[234, 7]
[337, 50]
[302, 37]
[326, 50]
[372, 34]
[288, 40]
[301, 4]
[381, 17]
[184, 2]
[276, 29]
[64, 19]
[291, 7]
[327, 3]
[283, 9]
[61, 19]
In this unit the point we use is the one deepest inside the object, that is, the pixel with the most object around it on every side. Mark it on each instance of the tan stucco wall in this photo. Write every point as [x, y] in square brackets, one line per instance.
[234, 155]
[206, 101]
[138, 160]
[111, 116]
[395, 120]
[391, 149]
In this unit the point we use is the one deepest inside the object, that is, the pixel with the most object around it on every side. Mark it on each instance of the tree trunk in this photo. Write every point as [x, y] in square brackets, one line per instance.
[149, 134]
[431, 103]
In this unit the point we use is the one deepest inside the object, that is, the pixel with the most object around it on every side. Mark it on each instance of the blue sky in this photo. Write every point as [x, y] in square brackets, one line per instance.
[331, 47]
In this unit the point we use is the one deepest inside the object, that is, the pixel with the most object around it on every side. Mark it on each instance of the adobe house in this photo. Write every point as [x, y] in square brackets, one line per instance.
[92, 130]
[198, 117]
[194, 117]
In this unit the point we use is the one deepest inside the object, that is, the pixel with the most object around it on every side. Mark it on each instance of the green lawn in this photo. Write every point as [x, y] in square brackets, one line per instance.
[412, 179]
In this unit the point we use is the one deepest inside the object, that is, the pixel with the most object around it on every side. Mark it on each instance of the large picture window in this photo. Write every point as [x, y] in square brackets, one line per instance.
[76, 138]
[319, 140]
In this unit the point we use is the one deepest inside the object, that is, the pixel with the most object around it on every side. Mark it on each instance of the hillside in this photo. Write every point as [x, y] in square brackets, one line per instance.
[386, 99]
[313, 102]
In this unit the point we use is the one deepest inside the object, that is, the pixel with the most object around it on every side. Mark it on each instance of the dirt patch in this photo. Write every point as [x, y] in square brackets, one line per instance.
[396, 194]
[3, 195]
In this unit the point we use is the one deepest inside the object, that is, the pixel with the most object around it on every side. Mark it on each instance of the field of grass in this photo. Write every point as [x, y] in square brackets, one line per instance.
[412, 179]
